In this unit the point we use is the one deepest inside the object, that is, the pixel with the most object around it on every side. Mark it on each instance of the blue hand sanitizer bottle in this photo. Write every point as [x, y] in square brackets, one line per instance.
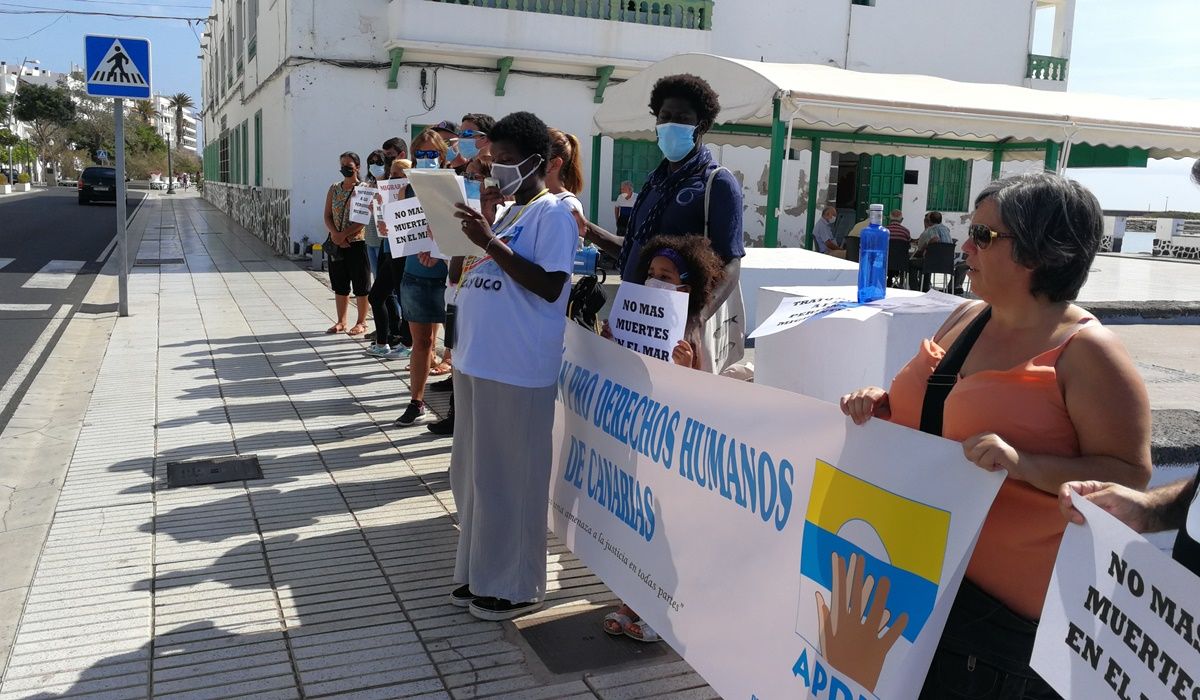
[872, 258]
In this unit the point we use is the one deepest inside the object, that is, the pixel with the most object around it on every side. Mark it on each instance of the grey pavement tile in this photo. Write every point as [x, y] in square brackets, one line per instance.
[391, 677]
[419, 690]
[507, 685]
[103, 667]
[183, 662]
[570, 690]
[253, 687]
[474, 676]
[416, 665]
[306, 643]
[272, 667]
[395, 651]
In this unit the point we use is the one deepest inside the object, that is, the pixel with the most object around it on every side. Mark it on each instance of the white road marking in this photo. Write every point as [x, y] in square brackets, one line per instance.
[56, 274]
[9, 390]
[4, 262]
[107, 249]
[24, 307]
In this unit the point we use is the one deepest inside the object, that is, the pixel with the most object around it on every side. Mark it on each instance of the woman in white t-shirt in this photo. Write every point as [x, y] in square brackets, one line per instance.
[624, 206]
[564, 174]
[511, 319]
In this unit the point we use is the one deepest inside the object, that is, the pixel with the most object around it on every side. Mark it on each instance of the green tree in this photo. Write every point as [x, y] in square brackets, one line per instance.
[179, 102]
[142, 138]
[145, 110]
[8, 138]
[5, 103]
[48, 110]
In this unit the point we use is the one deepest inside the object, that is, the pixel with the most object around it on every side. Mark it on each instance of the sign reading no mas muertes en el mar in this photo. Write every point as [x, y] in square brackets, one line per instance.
[117, 66]
[752, 515]
[647, 320]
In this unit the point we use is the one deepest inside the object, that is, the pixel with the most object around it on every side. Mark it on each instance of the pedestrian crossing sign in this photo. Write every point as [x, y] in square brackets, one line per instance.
[117, 66]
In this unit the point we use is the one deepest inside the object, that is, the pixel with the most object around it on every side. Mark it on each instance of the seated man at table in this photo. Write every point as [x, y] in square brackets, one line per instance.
[823, 232]
[935, 232]
[896, 230]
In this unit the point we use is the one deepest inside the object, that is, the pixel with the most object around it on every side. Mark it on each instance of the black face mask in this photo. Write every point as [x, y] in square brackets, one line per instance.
[347, 171]
[387, 164]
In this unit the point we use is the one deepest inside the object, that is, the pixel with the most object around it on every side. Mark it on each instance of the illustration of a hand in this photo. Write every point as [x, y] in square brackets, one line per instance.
[854, 639]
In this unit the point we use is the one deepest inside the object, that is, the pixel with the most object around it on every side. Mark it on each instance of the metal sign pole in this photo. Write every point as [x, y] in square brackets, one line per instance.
[122, 240]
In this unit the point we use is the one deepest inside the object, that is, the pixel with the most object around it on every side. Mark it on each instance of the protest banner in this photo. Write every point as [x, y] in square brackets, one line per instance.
[408, 231]
[647, 320]
[439, 192]
[1121, 617]
[360, 204]
[725, 513]
[392, 190]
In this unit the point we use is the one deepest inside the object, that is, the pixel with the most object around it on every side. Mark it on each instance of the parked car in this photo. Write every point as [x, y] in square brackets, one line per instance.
[98, 183]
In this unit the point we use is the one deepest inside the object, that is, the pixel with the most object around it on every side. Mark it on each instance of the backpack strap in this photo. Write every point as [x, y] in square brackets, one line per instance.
[945, 375]
[708, 194]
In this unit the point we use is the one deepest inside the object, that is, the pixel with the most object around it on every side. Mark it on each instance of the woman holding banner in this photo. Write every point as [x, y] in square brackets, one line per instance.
[511, 321]
[1032, 384]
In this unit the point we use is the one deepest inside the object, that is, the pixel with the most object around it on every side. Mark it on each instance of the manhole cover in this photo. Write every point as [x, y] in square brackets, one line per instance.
[159, 261]
[212, 471]
[575, 641]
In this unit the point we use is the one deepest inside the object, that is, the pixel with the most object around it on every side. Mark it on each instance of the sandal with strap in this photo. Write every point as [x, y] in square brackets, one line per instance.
[358, 329]
[336, 328]
[441, 368]
[641, 631]
[615, 623]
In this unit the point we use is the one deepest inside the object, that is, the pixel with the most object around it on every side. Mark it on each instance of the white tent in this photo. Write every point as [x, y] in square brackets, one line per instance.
[768, 103]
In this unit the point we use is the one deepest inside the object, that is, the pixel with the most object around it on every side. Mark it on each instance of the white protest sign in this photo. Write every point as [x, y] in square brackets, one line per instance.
[392, 190]
[712, 504]
[1121, 620]
[439, 191]
[793, 311]
[408, 232]
[360, 204]
[1193, 519]
[647, 320]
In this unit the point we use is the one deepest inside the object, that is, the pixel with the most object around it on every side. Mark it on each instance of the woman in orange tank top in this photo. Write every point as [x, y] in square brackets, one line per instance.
[1046, 394]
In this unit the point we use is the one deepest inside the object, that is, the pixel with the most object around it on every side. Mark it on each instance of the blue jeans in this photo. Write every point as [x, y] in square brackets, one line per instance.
[373, 256]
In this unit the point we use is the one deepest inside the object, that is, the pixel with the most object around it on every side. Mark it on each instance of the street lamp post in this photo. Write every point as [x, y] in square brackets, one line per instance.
[12, 107]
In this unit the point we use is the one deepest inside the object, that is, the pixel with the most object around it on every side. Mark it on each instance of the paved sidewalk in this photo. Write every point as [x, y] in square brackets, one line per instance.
[328, 577]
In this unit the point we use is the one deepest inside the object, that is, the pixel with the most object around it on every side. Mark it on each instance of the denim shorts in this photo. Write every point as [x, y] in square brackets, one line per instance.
[423, 299]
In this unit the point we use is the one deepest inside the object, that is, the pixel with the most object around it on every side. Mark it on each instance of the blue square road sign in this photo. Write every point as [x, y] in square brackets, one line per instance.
[117, 66]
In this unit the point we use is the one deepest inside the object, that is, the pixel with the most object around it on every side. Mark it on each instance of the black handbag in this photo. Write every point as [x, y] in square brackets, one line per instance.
[450, 327]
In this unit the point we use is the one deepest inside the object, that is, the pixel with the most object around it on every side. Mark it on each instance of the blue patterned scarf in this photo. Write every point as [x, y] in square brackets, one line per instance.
[667, 184]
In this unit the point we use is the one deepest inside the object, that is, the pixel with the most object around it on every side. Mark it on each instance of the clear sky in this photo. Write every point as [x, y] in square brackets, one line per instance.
[1149, 48]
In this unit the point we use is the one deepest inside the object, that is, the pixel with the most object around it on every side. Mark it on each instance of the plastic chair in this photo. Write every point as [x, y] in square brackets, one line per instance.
[897, 263]
[939, 260]
[852, 248]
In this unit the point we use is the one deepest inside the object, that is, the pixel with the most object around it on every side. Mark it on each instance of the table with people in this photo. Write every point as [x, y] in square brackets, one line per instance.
[1021, 360]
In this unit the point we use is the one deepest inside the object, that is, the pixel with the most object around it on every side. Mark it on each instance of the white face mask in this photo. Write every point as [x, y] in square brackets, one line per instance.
[655, 283]
[509, 177]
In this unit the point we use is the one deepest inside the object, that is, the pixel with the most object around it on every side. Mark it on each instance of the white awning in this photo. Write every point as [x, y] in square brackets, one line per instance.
[827, 98]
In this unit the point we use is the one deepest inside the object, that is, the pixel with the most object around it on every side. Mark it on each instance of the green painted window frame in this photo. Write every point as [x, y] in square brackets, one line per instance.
[223, 158]
[949, 184]
[634, 161]
[245, 154]
[258, 149]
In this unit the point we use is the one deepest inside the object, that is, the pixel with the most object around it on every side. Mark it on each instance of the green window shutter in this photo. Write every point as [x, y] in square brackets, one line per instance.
[258, 147]
[245, 155]
[633, 161]
[949, 184]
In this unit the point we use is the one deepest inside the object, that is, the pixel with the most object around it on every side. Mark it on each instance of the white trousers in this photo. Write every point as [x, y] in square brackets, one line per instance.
[500, 476]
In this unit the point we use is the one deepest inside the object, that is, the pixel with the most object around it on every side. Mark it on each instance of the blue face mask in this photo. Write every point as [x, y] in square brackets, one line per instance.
[427, 163]
[376, 170]
[676, 140]
[474, 191]
[467, 148]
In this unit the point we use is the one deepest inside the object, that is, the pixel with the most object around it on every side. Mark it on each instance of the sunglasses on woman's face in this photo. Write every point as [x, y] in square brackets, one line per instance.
[427, 154]
[470, 134]
[983, 236]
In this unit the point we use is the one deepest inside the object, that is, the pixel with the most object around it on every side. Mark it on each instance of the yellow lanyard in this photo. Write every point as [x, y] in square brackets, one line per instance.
[471, 262]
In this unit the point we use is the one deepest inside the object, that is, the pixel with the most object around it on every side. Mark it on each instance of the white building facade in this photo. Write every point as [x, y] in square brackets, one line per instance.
[164, 123]
[290, 85]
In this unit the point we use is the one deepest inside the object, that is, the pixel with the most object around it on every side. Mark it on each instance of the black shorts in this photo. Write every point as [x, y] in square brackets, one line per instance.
[353, 271]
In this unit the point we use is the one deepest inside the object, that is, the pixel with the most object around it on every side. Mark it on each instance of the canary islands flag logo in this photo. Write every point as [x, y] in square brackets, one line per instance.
[887, 537]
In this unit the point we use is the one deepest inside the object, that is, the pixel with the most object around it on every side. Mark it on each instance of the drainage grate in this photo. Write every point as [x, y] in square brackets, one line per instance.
[150, 262]
[575, 641]
[213, 471]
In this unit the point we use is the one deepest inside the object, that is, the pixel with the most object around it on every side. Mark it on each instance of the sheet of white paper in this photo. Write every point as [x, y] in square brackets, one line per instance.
[855, 313]
[928, 300]
[438, 192]
[647, 320]
[360, 204]
[793, 311]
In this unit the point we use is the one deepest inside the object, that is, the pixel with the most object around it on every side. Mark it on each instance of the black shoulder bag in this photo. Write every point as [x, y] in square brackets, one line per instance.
[945, 375]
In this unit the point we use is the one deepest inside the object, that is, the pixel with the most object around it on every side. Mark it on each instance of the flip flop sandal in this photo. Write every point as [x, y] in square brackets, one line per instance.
[358, 329]
[615, 623]
[441, 369]
[643, 633]
[336, 328]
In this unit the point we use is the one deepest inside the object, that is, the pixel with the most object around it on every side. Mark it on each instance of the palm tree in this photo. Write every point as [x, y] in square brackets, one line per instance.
[179, 102]
[145, 110]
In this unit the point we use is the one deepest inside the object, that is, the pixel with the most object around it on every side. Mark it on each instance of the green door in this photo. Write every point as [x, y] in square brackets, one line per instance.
[880, 180]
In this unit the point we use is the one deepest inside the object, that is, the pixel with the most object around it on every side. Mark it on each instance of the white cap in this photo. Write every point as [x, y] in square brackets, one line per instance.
[876, 207]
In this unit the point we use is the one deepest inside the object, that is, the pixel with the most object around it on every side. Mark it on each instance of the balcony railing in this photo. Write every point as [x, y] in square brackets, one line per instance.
[681, 14]
[1046, 68]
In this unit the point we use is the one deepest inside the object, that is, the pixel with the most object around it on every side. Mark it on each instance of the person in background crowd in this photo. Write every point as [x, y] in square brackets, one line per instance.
[385, 304]
[349, 268]
[1170, 507]
[564, 173]
[448, 130]
[856, 230]
[896, 230]
[1026, 401]
[685, 264]
[823, 236]
[473, 137]
[393, 148]
[423, 295]
[623, 207]
[935, 232]
[375, 171]
[675, 201]
[511, 324]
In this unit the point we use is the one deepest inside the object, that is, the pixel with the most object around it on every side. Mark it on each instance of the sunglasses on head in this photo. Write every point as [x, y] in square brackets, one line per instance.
[427, 154]
[983, 236]
[470, 134]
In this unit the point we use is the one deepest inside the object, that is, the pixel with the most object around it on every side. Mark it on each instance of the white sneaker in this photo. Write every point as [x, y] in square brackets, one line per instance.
[378, 350]
[397, 353]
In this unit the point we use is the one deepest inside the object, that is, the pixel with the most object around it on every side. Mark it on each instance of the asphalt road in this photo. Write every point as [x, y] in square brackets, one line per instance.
[51, 248]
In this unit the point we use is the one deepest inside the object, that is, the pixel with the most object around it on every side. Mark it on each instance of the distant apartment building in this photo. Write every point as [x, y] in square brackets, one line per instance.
[289, 85]
[164, 123]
